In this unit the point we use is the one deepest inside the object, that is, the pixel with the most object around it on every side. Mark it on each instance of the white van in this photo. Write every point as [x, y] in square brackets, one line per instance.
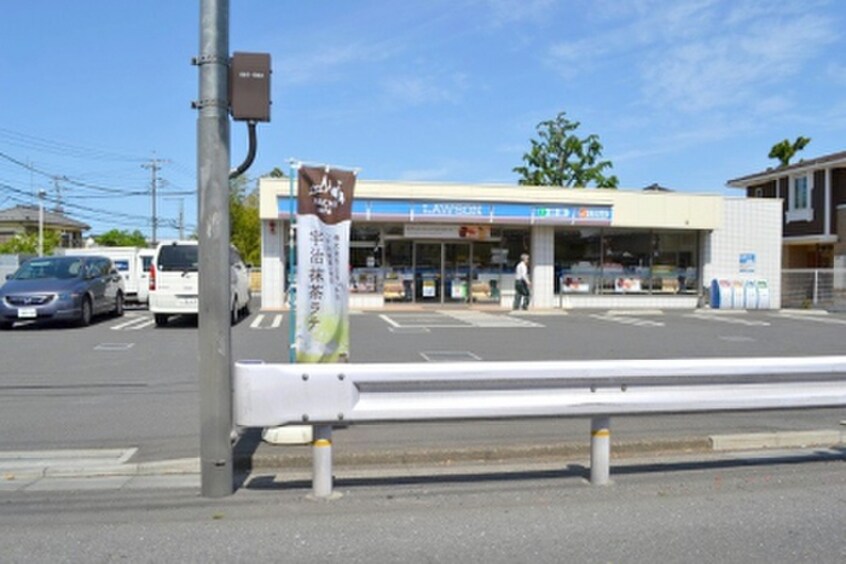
[129, 263]
[174, 282]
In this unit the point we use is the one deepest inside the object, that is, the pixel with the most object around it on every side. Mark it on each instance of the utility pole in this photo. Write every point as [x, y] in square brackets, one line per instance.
[58, 188]
[41, 194]
[215, 332]
[154, 165]
[181, 221]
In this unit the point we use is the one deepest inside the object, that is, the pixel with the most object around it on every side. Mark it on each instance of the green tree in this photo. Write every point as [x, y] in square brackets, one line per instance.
[121, 238]
[244, 222]
[27, 243]
[784, 150]
[560, 158]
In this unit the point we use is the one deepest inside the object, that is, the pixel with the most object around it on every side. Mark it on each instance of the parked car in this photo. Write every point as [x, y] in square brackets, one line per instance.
[130, 263]
[61, 288]
[174, 282]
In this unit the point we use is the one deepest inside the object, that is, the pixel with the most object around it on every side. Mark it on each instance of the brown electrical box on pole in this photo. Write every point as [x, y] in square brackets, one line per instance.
[249, 86]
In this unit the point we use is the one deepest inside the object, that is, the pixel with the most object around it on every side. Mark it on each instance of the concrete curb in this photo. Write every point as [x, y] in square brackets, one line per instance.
[274, 458]
[269, 458]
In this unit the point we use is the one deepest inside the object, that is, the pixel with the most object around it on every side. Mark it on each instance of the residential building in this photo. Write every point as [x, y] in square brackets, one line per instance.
[813, 194]
[20, 220]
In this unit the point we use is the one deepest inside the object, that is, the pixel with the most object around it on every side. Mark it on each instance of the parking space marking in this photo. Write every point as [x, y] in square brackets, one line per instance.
[811, 317]
[259, 319]
[133, 324]
[450, 356]
[114, 347]
[729, 319]
[626, 320]
[487, 320]
[427, 320]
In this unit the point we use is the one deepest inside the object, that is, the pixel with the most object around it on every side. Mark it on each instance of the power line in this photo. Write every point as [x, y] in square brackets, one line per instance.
[26, 141]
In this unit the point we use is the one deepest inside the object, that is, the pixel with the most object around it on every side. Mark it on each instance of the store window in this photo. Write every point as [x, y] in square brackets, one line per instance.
[626, 260]
[674, 263]
[398, 271]
[365, 259]
[577, 261]
[616, 261]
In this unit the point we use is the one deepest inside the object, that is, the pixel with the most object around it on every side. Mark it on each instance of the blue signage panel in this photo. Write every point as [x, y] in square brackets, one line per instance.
[476, 212]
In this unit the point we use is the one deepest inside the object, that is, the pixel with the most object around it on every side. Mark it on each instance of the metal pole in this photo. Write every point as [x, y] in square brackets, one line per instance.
[215, 338]
[322, 461]
[600, 450]
[292, 267]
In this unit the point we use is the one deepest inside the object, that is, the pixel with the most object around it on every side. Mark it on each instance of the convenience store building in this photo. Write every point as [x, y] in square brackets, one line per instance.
[456, 245]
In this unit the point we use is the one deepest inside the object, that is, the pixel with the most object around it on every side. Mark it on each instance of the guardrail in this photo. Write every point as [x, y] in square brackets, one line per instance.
[323, 395]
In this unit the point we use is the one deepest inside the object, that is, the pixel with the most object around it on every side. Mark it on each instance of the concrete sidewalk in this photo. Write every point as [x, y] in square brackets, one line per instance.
[386, 451]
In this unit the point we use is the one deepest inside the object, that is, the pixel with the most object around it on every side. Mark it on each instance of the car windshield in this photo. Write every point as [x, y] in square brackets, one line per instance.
[61, 268]
[178, 257]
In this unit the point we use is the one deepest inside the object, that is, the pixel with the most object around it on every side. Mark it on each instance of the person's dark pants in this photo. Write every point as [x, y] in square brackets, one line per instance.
[521, 295]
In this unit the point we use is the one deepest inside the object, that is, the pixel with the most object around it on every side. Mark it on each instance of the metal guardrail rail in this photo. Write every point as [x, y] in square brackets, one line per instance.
[323, 395]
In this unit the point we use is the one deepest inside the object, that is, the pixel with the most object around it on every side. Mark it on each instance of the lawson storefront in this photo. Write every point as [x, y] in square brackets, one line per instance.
[450, 244]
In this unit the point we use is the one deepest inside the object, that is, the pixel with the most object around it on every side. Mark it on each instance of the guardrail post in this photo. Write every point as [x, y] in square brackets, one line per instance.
[600, 450]
[322, 461]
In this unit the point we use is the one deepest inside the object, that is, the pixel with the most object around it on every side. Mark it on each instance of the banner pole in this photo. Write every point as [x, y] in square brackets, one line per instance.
[292, 268]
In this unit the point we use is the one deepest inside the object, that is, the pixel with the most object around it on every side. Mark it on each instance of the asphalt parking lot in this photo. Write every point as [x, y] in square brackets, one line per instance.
[123, 383]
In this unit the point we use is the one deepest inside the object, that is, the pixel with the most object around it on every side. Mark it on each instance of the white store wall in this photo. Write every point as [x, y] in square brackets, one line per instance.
[750, 225]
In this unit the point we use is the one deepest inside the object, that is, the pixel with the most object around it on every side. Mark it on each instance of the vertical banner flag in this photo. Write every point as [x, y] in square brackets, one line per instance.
[324, 201]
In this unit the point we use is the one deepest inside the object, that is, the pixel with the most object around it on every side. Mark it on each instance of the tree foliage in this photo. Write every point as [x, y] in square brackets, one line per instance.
[27, 243]
[121, 238]
[561, 158]
[784, 150]
[244, 221]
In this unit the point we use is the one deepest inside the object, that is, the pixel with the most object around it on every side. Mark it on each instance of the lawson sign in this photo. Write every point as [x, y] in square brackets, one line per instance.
[476, 212]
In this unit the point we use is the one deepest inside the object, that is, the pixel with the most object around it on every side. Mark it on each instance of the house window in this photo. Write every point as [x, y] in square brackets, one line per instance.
[799, 199]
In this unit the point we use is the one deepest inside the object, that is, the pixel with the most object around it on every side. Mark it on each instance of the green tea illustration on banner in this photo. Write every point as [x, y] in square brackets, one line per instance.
[324, 201]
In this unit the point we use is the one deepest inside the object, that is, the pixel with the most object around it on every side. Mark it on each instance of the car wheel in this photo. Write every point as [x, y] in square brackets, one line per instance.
[4, 325]
[236, 311]
[246, 310]
[161, 319]
[85, 313]
[119, 303]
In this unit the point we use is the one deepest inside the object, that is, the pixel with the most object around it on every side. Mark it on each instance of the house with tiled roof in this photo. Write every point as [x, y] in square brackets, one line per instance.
[813, 193]
[20, 220]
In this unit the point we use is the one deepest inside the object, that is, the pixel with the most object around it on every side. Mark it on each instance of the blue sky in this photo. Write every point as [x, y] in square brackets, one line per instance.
[685, 93]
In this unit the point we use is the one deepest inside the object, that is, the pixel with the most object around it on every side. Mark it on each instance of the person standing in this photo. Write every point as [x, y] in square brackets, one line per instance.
[522, 284]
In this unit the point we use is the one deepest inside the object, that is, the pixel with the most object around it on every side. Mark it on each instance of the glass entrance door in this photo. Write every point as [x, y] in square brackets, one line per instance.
[442, 273]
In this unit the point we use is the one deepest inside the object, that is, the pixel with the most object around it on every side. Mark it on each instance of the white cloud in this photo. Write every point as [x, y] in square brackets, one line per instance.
[326, 63]
[422, 90]
[735, 68]
[696, 55]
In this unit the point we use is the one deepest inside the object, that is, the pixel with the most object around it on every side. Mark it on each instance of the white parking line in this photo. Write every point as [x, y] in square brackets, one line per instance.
[815, 318]
[134, 323]
[728, 319]
[259, 319]
[389, 320]
[626, 320]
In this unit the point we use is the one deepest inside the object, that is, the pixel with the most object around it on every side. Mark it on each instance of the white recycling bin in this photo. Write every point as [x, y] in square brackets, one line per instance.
[763, 294]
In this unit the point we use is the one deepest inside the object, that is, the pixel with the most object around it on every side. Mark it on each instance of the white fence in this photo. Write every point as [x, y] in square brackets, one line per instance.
[813, 288]
[267, 395]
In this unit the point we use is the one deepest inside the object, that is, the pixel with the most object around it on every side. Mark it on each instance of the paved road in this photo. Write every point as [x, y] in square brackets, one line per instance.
[722, 510]
[123, 383]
